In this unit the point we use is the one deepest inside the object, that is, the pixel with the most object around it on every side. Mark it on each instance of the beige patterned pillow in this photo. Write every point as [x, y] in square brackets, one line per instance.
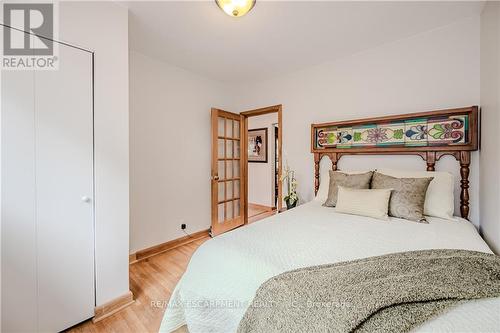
[337, 178]
[408, 195]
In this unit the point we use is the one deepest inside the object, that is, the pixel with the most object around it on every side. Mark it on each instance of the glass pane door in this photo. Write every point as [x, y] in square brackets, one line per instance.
[227, 191]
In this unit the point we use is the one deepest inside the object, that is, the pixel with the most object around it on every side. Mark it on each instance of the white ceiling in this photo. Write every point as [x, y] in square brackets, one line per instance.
[277, 37]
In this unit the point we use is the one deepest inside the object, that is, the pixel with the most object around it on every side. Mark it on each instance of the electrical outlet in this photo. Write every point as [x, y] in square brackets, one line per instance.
[183, 226]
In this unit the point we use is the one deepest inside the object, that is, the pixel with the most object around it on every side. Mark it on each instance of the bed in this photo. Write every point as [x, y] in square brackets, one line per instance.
[225, 272]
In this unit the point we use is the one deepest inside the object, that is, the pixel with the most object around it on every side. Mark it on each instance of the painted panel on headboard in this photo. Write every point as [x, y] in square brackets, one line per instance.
[422, 132]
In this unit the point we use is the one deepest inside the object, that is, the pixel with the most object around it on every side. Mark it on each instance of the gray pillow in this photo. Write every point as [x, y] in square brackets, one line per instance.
[408, 195]
[337, 178]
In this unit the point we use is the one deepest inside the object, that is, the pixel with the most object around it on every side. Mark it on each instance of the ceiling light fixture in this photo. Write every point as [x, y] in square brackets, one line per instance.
[235, 8]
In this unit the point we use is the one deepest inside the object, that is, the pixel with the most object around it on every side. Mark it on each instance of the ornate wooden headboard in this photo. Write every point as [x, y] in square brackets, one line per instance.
[429, 135]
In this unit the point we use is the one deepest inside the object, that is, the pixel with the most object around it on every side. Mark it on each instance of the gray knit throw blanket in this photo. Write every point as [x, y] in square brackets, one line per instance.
[390, 293]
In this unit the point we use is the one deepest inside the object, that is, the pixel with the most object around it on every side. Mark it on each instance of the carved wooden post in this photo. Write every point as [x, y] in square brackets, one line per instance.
[431, 160]
[317, 158]
[334, 159]
[464, 183]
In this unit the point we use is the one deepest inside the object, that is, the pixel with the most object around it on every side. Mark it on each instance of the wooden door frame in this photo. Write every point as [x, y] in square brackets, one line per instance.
[244, 151]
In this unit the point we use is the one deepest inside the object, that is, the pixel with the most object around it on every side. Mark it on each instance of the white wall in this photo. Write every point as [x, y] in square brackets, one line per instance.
[429, 71]
[261, 175]
[103, 28]
[169, 150]
[490, 120]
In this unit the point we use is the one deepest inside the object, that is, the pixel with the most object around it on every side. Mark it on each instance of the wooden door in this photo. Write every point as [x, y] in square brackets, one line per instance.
[228, 161]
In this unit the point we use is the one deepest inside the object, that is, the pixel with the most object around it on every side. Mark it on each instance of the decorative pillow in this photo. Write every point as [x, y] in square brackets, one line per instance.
[440, 198]
[408, 195]
[324, 183]
[371, 203]
[337, 178]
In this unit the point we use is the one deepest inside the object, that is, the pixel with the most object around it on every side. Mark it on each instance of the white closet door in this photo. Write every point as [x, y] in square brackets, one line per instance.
[19, 304]
[64, 195]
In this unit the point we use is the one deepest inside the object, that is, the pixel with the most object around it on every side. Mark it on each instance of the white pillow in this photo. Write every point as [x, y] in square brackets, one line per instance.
[324, 183]
[439, 200]
[371, 203]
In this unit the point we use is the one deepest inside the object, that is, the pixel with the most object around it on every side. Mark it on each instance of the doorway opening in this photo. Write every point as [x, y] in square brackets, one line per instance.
[262, 139]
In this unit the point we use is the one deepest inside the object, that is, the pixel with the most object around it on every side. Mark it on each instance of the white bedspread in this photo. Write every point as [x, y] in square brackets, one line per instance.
[225, 272]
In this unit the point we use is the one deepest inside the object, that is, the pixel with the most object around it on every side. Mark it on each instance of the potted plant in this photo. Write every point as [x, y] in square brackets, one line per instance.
[292, 198]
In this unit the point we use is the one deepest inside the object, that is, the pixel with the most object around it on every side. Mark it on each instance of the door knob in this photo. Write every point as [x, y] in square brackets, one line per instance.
[86, 199]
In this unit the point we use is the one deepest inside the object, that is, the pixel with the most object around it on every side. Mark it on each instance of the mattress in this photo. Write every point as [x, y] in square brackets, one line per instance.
[224, 273]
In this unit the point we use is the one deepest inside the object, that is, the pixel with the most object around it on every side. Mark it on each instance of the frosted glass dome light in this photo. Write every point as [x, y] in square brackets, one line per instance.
[235, 8]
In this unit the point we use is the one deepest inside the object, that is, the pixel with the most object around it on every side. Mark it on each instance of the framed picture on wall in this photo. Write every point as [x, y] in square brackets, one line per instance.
[257, 145]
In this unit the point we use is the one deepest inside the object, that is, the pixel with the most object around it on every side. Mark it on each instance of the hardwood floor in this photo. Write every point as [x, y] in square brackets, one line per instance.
[152, 281]
[259, 212]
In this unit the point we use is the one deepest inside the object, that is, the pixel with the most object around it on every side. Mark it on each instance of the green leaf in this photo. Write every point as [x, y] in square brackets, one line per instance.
[398, 134]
